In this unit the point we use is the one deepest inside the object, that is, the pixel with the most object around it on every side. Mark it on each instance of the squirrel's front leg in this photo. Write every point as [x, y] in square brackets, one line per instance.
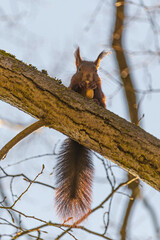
[77, 84]
[99, 96]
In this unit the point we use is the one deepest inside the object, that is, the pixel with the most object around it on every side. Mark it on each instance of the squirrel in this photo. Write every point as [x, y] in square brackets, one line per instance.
[74, 169]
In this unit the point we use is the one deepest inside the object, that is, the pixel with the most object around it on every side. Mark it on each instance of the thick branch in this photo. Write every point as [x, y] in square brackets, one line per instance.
[81, 119]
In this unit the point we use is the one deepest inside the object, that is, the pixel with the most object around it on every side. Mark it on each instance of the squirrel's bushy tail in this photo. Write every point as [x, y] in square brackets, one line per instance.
[74, 175]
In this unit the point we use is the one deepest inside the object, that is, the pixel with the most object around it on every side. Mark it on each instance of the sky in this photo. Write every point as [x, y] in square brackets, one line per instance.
[46, 34]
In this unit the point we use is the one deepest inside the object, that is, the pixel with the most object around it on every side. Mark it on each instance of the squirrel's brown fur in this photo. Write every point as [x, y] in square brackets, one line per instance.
[74, 169]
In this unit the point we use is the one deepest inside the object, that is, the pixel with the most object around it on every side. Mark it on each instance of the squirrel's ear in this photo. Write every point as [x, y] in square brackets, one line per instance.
[77, 57]
[100, 56]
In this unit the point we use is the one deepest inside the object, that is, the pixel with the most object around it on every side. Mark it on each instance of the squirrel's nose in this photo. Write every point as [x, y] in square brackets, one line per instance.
[88, 76]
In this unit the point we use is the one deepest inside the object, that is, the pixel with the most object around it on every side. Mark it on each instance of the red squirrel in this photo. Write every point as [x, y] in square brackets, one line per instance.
[74, 169]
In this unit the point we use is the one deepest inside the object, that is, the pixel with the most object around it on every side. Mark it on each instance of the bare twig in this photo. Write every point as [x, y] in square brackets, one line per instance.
[96, 208]
[27, 187]
[21, 233]
[33, 127]
[25, 177]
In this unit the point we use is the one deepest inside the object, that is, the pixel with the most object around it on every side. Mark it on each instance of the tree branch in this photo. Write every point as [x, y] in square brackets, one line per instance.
[124, 69]
[30, 129]
[81, 119]
[117, 45]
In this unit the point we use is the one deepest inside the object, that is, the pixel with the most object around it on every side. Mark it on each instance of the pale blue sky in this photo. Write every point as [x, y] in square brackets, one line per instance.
[45, 34]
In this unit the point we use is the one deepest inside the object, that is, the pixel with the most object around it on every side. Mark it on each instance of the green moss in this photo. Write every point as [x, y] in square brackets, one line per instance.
[30, 65]
[58, 80]
[44, 72]
[4, 53]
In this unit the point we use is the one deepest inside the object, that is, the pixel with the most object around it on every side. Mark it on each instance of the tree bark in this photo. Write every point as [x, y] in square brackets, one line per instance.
[45, 98]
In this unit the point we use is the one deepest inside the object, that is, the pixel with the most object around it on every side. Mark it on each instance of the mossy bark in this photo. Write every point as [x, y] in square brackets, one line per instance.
[45, 98]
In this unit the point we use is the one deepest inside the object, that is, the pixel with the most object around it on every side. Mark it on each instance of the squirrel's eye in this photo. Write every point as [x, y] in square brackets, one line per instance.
[79, 69]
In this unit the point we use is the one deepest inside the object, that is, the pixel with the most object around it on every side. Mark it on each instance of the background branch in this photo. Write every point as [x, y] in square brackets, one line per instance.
[30, 129]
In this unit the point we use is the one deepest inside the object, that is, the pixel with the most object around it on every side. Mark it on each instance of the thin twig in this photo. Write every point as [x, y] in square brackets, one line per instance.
[25, 177]
[33, 127]
[94, 209]
[27, 187]
[19, 234]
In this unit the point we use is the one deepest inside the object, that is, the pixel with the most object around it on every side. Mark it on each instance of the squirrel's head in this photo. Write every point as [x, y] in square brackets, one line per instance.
[88, 66]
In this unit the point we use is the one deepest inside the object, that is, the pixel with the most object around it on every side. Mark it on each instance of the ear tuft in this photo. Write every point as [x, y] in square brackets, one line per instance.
[100, 56]
[77, 57]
